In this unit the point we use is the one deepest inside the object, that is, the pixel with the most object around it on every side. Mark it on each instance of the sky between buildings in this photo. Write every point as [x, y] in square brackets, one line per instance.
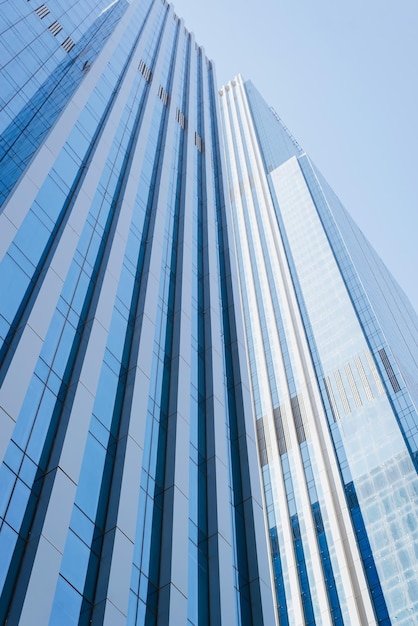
[343, 76]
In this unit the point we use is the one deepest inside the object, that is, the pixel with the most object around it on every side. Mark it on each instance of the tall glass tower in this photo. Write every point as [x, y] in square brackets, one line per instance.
[332, 346]
[129, 485]
[208, 379]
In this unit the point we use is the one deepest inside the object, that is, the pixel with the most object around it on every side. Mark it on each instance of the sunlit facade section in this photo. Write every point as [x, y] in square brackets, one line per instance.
[332, 352]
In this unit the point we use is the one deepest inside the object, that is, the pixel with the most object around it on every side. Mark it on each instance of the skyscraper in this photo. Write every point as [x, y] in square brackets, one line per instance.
[332, 347]
[207, 376]
[129, 483]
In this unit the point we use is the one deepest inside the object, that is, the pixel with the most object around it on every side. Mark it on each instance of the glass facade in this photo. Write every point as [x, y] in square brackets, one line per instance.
[332, 349]
[208, 379]
[129, 491]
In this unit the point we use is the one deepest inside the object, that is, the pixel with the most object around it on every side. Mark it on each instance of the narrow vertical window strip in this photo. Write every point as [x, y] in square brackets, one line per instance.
[375, 373]
[342, 392]
[297, 418]
[305, 421]
[389, 370]
[286, 431]
[261, 438]
[278, 425]
[363, 378]
[331, 398]
[353, 386]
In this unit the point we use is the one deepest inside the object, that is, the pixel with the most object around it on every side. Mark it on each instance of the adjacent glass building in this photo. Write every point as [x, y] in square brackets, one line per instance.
[332, 347]
[208, 379]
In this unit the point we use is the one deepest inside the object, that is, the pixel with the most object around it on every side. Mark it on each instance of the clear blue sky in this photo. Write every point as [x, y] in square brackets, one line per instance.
[344, 78]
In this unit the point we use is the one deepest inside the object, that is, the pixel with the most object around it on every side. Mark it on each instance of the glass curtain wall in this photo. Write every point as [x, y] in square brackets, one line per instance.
[128, 490]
